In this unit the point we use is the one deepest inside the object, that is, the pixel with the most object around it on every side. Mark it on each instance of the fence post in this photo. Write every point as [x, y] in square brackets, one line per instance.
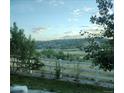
[61, 67]
[97, 74]
[57, 70]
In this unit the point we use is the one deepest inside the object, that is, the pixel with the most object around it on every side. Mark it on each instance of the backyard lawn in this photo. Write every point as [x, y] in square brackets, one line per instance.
[56, 85]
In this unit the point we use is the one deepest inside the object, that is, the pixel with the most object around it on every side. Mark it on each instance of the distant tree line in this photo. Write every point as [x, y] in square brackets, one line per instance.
[64, 43]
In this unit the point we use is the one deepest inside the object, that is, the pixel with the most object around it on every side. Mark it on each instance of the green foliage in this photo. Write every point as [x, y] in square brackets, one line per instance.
[49, 53]
[57, 70]
[102, 54]
[17, 40]
[36, 65]
[57, 85]
[22, 49]
[60, 55]
[106, 19]
[105, 59]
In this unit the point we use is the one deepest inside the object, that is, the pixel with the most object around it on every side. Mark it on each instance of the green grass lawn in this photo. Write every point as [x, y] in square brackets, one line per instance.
[56, 85]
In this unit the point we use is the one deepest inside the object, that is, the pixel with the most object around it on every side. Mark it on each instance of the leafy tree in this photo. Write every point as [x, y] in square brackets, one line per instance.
[106, 18]
[102, 54]
[22, 50]
[60, 55]
[49, 53]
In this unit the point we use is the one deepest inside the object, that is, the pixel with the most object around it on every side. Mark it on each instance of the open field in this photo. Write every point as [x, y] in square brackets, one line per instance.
[74, 51]
[84, 68]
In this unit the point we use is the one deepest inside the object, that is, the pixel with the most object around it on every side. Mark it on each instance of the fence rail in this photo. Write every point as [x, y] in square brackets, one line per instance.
[69, 69]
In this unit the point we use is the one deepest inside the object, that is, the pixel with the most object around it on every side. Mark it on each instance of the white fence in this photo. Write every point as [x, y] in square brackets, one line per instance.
[70, 70]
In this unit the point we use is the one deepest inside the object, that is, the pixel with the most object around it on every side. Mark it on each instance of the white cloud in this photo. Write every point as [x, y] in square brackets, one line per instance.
[77, 12]
[39, 29]
[73, 19]
[87, 9]
[56, 2]
[71, 33]
[52, 2]
[67, 32]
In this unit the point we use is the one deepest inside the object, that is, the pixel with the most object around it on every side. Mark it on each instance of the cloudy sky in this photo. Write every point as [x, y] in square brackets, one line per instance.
[52, 19]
